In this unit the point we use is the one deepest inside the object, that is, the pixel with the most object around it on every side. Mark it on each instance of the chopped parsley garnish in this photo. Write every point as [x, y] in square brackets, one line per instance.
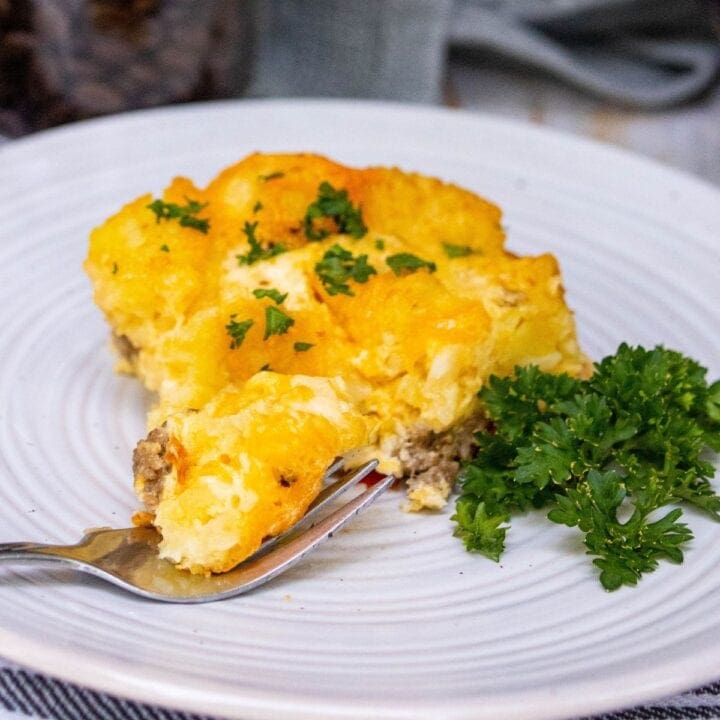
[164, 248]
[257, 207]
[114, 268]
[338, 266]
[272, 293]
[237, 331]
[184, 214]
[276, 322]
[265, 368]
[303, 346]
[404, 263]
[336, 205]
[379, 244]
[272, 176]
[257, 251]
[456, 251]
[627, 443]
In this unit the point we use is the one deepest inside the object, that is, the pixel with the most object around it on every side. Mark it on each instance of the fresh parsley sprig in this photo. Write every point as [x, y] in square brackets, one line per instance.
[624, 550]
[186, 214]
[631, 440]
[338, 266]
[336, 205]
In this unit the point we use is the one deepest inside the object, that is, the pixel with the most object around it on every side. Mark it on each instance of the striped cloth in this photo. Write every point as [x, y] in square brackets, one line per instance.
[25, 694]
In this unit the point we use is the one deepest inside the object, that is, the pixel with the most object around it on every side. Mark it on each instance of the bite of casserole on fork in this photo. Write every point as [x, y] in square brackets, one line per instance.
[217, 481]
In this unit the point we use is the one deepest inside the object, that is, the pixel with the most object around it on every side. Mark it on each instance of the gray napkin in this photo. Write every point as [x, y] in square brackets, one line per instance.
[640, 53]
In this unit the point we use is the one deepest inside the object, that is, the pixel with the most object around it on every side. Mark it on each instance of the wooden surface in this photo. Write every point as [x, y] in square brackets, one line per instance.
[687, 137]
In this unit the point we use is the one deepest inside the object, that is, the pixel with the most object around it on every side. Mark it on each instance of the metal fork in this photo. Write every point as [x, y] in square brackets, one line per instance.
[129, 558]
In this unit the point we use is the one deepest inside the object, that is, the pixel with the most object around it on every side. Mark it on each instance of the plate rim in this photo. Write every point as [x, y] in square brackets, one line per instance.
[156, 687]
[494, 121]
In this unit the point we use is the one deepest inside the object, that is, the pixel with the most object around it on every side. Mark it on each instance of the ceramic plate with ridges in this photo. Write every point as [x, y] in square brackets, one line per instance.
[392, 619]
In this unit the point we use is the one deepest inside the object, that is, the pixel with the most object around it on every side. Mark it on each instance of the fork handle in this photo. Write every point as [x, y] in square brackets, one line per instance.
[28, 551]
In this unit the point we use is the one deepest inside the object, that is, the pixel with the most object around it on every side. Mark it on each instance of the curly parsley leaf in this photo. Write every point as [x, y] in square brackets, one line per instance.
[498, 489]
[339, 266]
[632, 439]
[481, 532]
[237, 330]
[549, 457]
[303, 346]
[335, 205]
[276, 322]
[272, 293]
[257, 251]
[712, 409]
[405, 263]
[186, 214]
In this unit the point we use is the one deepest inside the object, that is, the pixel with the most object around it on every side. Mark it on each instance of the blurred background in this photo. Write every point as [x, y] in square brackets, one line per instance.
[638, 73]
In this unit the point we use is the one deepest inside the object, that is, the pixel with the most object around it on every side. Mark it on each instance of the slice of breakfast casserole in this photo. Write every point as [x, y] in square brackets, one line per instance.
[392, 290]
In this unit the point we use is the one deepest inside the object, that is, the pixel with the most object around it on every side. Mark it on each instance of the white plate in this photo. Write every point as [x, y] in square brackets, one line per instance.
[392, 619]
